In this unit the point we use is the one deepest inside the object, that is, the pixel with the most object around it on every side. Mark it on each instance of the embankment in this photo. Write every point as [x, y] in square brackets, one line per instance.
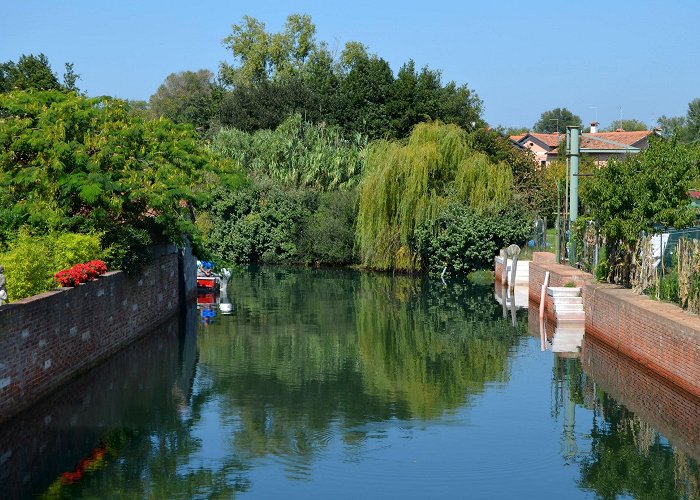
[50, 338]
[659, 336]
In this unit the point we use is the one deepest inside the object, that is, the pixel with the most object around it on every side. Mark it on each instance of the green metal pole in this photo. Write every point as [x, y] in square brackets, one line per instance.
[558, 229]
[574, 151]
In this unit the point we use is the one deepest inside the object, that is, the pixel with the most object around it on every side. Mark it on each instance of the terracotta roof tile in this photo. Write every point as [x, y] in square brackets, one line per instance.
[551, 140]
[627, 138]
[588, 141]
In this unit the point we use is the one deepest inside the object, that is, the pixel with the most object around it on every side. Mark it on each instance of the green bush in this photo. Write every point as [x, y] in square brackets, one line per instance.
[31, 261]
[465, 240]
[267, 222]
[668, 287]
[72, 248]
[72, 164]
[259, 223]
[328, 235]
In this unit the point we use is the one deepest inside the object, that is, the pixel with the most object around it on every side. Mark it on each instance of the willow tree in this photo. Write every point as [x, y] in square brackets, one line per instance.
[406, 186]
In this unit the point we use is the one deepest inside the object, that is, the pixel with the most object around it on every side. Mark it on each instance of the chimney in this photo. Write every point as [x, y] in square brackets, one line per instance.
[594, 127]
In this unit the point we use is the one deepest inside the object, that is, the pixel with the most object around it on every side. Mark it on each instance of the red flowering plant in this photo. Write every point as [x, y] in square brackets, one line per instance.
[80, 273]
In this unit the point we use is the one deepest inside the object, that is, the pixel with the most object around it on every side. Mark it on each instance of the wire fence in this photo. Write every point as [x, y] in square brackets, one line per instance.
[665, 246]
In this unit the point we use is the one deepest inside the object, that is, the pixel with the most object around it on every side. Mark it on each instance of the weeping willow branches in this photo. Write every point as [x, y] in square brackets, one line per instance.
[405, 186]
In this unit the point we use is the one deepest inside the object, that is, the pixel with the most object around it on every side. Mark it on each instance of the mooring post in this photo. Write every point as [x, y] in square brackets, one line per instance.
[504, 273]
[513, 251]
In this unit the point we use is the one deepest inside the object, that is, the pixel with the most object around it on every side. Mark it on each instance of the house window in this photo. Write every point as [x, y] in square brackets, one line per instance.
[543, 163]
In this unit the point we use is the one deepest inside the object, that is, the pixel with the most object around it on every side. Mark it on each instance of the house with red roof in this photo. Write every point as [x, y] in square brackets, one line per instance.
[600, 145]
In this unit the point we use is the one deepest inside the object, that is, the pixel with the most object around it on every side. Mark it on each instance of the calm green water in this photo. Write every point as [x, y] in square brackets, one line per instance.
[335, 384]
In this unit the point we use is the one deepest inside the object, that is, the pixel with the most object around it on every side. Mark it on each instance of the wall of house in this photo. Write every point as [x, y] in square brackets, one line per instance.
[50, 338]
[658, 335]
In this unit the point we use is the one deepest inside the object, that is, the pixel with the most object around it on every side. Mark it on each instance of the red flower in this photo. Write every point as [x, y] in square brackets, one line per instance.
[80, 273]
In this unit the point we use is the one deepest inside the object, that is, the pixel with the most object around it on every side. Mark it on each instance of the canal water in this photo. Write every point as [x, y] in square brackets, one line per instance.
[337, 384]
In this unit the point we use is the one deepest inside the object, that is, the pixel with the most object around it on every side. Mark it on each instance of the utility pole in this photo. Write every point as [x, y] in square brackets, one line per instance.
[573, 151]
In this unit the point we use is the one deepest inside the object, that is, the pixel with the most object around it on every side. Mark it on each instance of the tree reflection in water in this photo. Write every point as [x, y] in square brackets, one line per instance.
[313, 363]
[309, 351]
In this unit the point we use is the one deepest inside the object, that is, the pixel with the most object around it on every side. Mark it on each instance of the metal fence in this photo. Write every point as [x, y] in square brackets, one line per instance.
[664, 245]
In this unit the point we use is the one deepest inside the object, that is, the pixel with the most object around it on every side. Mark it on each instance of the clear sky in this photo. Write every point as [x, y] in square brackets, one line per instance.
[600, 59]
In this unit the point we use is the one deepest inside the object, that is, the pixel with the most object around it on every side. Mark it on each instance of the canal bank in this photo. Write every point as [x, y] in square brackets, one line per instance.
[658, 335]
[50, 338]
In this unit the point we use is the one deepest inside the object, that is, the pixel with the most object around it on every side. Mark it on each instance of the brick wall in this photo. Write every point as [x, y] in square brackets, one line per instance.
[669, 410]
[49, 338]
[657, 335]
[148, 381]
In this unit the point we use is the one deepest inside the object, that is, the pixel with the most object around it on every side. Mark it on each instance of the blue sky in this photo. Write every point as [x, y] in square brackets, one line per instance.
[599, 59]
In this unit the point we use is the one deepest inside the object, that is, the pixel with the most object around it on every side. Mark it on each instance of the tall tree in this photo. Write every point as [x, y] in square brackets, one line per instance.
[692, 121]
[30, 72]
[364, 93]
[556, 120]
[671, 125]
[262, 55]
[628, 125]
[276, 74]
[186, 97]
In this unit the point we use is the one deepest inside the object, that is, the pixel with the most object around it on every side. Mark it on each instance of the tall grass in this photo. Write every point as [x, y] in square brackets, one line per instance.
[297, 153]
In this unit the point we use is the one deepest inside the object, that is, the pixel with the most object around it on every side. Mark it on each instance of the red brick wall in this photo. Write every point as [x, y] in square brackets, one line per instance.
[49, 338]
[657, 335]
[143, 383]
[669, 410]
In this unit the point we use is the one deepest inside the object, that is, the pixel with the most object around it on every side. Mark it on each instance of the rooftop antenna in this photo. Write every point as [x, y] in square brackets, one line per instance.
[596, 112]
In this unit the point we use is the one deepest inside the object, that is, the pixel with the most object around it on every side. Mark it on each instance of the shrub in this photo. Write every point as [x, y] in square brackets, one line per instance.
[28, 267]
[32, 261]
[465, 240]
[328, 235]
[260, 223]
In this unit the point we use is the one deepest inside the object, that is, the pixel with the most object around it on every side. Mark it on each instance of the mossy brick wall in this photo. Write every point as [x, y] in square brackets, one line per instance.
[658, 335]
[668, 409]
[47, 339]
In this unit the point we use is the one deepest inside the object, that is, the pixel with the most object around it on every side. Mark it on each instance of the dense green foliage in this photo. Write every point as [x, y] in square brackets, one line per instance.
[297, 153]
[628, 125]
[274, 75]
[32, 261]
[75, 164]
[643, 191]
[187, 97]
[268, 222]
[408, 186]
[686, 128]
[35, 73]
[464, 240]
[556, 120]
